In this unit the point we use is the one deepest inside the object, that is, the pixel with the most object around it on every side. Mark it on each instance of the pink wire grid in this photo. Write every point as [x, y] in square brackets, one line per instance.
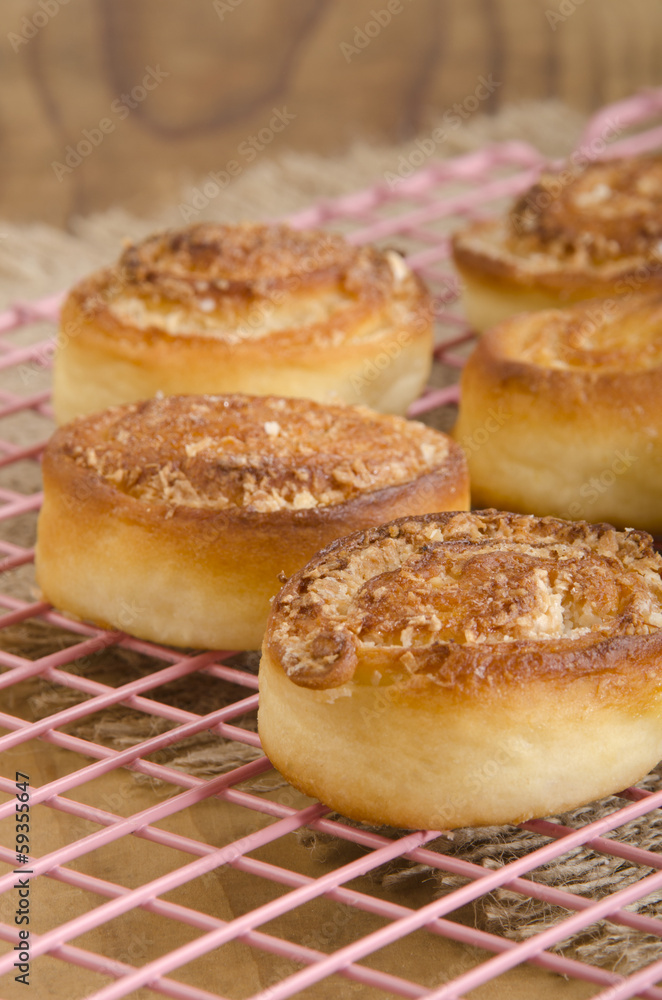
[417, 213]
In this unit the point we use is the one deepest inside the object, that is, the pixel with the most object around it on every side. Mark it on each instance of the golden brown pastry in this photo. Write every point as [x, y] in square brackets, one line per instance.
[573, 235]
[465, 669]
[245, 308]
[561, 413]
[172, 519]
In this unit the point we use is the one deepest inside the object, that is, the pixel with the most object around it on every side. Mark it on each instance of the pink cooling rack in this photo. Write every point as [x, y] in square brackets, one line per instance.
[416, 210]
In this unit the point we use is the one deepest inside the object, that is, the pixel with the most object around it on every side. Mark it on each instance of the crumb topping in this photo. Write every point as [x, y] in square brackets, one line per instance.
[238, 282]
[259, 453]
[605, 219]
[608, 210]
[463, 579]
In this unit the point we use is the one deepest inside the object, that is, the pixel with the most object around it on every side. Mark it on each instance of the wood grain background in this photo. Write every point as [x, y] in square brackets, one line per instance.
[64, 65]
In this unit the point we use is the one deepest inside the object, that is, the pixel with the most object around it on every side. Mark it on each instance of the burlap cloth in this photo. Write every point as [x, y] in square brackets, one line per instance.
[37, 260]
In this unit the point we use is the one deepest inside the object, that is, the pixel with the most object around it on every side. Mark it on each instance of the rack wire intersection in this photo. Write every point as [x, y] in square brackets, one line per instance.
[335, 959]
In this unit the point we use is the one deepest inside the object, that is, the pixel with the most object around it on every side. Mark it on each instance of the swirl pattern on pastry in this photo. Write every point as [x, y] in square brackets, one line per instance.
[465, 580]
[573, 235]
[250, 308]
[417, 647]
[256, 453]
[578, 395]
[209, 278]
[206, 500]
[610, 211]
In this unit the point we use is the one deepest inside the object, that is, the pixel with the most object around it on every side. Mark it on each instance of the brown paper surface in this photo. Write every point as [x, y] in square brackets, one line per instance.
[235, 970]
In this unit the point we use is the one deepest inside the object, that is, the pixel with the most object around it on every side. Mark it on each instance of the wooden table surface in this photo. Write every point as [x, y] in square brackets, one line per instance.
[120, 102]
[215, 84]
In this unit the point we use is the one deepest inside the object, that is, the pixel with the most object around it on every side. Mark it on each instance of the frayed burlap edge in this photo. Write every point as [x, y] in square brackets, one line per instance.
[202, 755]
[582, 870]
[38, 260]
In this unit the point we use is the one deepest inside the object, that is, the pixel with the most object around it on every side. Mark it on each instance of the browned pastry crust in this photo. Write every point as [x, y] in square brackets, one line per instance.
[466, 668]
[571, 236]
[245, 308]
[561, 413]
[173, 518]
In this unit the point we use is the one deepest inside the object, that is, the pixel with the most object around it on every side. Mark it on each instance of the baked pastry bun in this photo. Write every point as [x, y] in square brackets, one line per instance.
[464, 669]
[573, 235]
[561, 413]
[173, 518]
[260, 309]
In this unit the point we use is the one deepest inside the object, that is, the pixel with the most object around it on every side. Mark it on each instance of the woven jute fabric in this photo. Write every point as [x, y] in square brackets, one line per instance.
[582, 870]
[37, 260]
